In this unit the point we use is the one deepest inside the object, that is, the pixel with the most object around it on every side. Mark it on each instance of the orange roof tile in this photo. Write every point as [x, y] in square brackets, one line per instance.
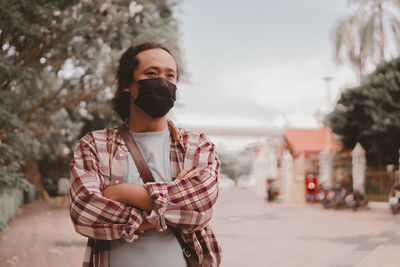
[311, 140]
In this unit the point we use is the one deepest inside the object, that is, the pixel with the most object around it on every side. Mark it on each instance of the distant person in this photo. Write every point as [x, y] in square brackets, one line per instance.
[272, 190]
[128, 222]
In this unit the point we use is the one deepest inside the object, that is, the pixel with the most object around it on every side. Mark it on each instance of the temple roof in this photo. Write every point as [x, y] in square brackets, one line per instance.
[311, 140]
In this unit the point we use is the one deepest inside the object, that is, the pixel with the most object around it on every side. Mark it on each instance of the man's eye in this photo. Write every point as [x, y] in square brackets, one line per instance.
[150, 73]
[171, 76]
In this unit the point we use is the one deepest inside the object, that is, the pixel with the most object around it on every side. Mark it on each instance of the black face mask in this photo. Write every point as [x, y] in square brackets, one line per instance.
[156, 96]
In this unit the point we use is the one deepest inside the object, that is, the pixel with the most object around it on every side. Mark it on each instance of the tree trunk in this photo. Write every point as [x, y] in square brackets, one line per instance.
[32, 174]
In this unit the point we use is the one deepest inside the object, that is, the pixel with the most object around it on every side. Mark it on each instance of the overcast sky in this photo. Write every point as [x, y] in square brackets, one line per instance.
[258, 62]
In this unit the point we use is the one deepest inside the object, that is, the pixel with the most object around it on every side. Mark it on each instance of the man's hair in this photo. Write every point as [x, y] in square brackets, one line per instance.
[127, 64]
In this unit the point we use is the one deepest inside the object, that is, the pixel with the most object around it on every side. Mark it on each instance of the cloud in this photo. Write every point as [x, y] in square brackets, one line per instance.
[276, 95]
[219, 120]
[205, 94]
[290, 87]
[268, 65]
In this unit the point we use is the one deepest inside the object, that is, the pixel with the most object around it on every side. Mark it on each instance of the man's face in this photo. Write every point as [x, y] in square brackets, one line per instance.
[153, 63]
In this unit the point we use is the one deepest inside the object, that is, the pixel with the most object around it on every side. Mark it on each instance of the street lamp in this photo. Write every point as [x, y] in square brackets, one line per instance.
[328, 80]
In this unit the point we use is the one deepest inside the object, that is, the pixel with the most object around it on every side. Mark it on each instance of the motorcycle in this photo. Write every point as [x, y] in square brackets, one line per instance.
[311, 183]
[334, 197]
[272, 191]
[326, 197]
[356, 200]
[394, 198]
[339, 197]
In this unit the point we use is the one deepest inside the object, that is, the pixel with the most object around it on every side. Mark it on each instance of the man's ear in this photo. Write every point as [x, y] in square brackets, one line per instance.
[126, 90]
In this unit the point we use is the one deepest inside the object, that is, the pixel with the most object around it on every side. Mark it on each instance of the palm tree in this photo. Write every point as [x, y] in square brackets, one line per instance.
[365, 36]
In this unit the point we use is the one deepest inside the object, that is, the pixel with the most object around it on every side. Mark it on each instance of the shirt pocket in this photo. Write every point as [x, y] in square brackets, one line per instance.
[116, 170]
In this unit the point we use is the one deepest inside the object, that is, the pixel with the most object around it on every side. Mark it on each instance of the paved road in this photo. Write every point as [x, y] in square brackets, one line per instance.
[255, 233]
[41, 235]
[251, 232]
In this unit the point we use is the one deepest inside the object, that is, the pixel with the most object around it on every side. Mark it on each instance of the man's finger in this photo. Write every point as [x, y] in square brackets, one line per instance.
[183, 173]
[192, 173]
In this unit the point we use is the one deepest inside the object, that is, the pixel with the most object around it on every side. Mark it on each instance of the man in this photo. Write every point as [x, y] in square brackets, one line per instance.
[125, 220]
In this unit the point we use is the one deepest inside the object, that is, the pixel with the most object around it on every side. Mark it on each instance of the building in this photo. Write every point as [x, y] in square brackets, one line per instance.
[305, 147]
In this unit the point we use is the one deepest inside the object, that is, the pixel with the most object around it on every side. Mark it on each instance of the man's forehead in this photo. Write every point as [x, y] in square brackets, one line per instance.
[156, 57]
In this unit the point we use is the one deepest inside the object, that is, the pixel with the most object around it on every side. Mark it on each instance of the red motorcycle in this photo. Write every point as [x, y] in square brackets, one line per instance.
[311, 184]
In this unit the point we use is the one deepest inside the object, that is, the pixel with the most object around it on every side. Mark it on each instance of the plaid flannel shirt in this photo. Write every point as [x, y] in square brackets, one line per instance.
[185, 203]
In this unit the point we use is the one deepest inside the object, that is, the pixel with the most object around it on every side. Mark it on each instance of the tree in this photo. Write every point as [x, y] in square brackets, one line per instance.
[57, 65]
[369, 114]
[363, 36]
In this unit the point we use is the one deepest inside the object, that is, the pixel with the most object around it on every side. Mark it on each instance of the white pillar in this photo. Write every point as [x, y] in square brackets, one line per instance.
[272, 165]
[287, 174]
[325, 168]
[359, 163]
[259, 172]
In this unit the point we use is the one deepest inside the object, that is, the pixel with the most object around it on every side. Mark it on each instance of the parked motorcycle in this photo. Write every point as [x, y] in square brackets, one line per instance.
[394, 199]
[272, 190]
[356, 200]
[326, 197]
[339, 197]
[311, 184]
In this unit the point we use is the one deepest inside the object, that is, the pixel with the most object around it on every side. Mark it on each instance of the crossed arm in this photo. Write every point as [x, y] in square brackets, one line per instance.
[137, 196]
[185, 203]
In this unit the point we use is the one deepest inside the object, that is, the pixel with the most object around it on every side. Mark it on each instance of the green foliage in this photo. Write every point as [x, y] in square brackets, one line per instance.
[57, 65]
[369, 114]
[238, 164]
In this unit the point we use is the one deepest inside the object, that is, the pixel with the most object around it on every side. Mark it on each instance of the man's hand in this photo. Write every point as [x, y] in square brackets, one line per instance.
[145, 226]
[187, 173]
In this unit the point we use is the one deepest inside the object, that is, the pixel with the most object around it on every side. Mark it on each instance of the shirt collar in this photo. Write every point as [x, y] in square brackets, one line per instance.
[175, 134]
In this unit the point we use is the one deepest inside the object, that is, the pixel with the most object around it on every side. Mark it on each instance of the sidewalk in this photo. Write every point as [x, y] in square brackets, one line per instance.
[255, 233]
[41, 235]
[250, 231]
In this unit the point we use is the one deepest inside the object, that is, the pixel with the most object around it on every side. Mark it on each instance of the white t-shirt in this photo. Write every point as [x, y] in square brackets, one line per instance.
[156, 249]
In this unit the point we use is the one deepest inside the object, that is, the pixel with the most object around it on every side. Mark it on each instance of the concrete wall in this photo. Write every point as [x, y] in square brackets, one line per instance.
[12, 199]
[298, 189]
[296, 184]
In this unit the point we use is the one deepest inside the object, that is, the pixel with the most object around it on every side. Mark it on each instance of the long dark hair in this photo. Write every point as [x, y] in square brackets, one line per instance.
[127, 64]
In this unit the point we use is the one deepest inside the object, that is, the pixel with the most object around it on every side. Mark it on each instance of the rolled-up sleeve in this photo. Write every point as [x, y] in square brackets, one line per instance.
[92, 214]
[187, 203]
